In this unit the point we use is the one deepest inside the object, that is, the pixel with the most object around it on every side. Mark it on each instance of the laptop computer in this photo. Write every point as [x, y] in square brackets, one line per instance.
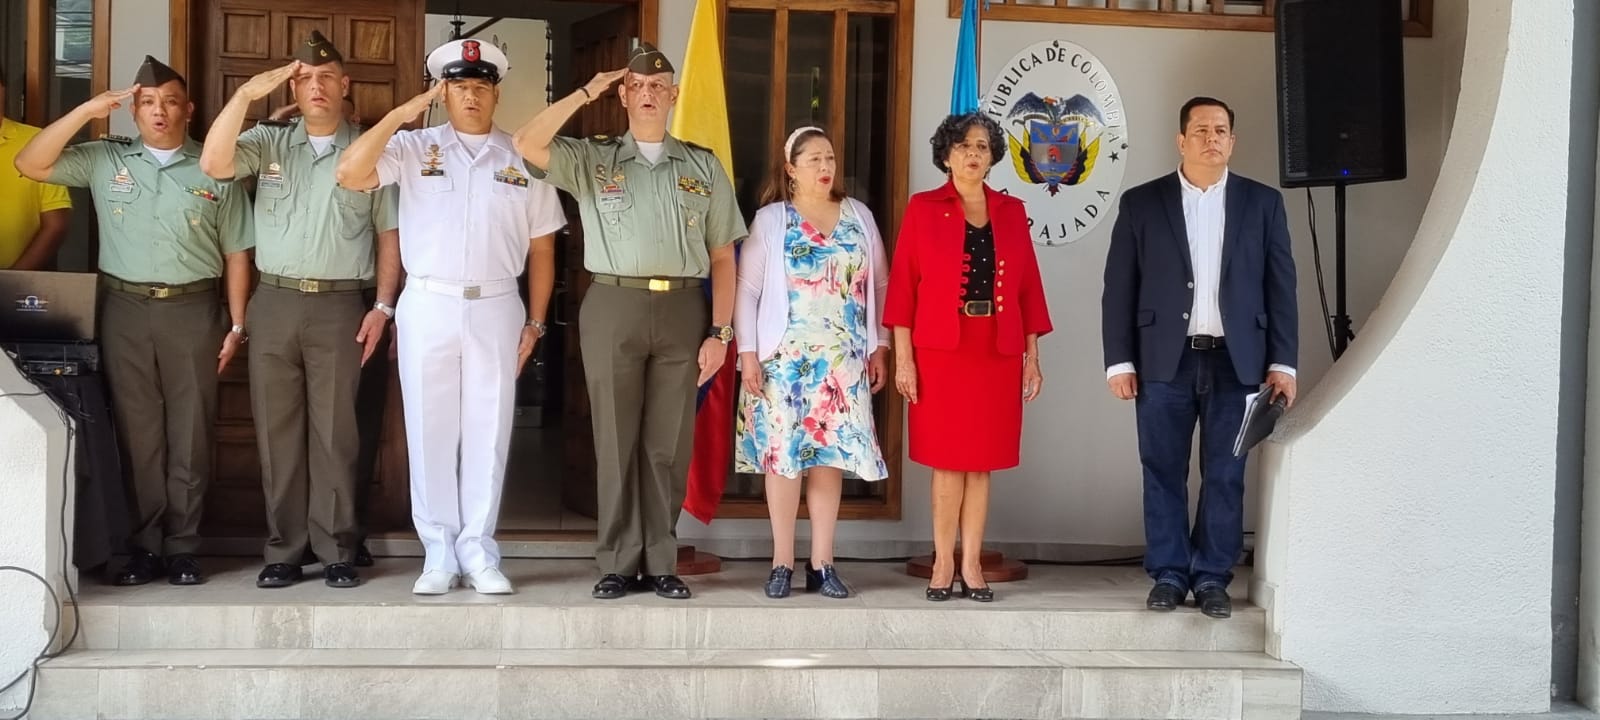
[47, 307]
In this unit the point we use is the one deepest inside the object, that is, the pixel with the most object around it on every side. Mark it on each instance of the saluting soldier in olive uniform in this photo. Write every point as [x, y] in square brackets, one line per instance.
[168, 232]
[315, 251]
[659, 218]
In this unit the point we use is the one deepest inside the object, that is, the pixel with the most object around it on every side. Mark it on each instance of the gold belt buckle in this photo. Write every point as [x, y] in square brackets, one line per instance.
[309, 286]
[978, 308]
[472, 292]
[160, 293]
[660, 285]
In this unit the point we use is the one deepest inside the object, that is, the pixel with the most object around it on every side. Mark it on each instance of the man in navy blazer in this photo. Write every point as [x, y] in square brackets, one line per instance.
[1198, 312]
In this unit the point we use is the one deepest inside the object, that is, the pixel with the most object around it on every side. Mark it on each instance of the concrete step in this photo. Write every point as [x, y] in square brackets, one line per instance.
[623, 683]
[1066, 609]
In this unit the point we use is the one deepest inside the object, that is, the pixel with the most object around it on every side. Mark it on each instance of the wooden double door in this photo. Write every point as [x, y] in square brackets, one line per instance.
[382, 41]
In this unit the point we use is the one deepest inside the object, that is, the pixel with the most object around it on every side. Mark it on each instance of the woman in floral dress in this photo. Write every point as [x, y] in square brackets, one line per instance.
[812, 278]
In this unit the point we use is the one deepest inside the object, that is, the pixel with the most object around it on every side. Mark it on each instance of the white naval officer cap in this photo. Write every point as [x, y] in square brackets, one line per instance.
[468, 58]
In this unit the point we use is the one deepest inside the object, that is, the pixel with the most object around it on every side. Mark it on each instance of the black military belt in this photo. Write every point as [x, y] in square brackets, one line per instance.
[651, 284]
[1207, 342]
[158, 291]
[977, 308]
[307, 285]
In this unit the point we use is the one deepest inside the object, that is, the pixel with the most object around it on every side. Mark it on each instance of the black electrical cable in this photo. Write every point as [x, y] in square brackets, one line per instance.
[1316, 258]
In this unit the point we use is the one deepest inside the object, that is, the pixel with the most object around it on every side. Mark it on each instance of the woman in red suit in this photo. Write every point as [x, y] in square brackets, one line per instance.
[967, 308]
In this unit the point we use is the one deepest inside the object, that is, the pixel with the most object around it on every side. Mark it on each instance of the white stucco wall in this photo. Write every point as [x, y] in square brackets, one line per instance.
[1079, 480]
[1589, 584]
[33, 448]
[1410, 511]
[138, 28]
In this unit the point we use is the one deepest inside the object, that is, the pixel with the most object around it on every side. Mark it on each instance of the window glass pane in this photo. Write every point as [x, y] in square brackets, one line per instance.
[810, 69]
[73, 57]
[13, 29]
[749, 80]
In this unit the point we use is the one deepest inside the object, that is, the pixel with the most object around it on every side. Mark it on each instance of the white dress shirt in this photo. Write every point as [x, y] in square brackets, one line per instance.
[1204, 219]
[466, 217]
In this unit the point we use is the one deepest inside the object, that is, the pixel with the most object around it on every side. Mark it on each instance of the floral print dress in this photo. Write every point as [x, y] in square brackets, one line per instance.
[815, 409]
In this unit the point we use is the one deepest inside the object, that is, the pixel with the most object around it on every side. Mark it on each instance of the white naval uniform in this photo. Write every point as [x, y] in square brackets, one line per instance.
[465, 225]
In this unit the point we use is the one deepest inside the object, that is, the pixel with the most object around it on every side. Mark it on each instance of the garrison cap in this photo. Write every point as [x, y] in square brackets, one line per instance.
[647, 60]
[154, 73]
[317, 50]
[467, 58]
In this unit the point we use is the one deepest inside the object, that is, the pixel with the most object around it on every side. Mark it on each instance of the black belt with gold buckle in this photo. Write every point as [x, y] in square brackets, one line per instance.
[977, 308]
[1207, 342]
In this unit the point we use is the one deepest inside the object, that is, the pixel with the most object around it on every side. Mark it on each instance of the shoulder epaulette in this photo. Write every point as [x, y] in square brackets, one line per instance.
[120, 139]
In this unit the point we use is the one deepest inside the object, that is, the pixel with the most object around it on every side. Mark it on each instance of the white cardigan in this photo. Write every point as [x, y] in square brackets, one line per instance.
[761, 308]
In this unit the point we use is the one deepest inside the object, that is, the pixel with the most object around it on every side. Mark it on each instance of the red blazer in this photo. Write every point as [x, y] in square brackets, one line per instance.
[925, 275]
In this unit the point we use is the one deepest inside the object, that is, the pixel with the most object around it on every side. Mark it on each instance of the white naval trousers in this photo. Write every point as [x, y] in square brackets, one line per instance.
[458, 365]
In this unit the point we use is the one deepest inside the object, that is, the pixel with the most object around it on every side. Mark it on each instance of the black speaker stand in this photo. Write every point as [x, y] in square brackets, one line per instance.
[1341, 315]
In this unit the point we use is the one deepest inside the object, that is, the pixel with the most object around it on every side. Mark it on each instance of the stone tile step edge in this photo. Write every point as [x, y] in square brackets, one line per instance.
[667, 659]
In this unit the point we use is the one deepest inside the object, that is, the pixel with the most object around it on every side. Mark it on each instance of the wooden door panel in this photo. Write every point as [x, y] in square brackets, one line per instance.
[230, 41]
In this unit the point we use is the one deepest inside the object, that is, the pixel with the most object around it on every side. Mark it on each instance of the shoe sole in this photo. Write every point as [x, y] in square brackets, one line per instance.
[1161, 608]
[180, 582]
[491, 591]
[430, 591]
[608, 596]
[274, 584]
[342, 585]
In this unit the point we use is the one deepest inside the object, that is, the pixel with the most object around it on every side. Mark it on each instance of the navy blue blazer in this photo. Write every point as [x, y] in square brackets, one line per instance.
[1149, 283]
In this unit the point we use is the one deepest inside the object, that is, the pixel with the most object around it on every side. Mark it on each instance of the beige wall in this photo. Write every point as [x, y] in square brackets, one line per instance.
[522, 91]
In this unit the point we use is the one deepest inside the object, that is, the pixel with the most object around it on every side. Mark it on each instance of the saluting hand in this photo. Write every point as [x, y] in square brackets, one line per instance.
[602, 82]
[371, 333]
[878, 368]
[100, 106]
[530, 338]
[905, 378]
[264, 83]
[414, 107]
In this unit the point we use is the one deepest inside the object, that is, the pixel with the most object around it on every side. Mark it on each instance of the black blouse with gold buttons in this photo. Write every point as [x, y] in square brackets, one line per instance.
[977, 266]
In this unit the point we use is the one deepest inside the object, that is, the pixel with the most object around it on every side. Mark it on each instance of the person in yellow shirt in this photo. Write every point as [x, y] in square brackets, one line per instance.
[33, 215]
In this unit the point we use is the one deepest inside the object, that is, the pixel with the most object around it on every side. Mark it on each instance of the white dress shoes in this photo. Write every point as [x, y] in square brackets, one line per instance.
[434, 582]
[489, 581]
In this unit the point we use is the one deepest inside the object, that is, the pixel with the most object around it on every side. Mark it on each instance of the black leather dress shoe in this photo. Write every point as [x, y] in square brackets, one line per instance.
[184, 570]
[363, 556]
[1165, 597]
[142, 567]
[610, 587]
[279, 575]
[1214, 602]
[670, 587]
[340, 575]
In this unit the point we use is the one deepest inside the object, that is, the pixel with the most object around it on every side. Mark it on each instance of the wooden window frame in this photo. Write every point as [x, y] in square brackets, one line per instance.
[39, 44]
[1419, 22]
[891, 432]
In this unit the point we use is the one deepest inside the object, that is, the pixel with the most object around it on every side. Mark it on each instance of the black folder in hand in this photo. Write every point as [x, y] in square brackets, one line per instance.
[1261, 413]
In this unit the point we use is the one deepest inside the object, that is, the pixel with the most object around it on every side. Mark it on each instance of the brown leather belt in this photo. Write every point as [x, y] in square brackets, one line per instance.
[977, 308]
[158, 291]
[651, 284]
[307, 285]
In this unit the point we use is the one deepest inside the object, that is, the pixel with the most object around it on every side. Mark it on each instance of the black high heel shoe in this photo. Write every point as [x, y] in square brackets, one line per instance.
[977, 594]
[939, 594]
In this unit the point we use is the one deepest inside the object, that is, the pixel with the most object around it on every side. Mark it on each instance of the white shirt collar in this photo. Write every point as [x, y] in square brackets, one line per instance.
[1221, 184]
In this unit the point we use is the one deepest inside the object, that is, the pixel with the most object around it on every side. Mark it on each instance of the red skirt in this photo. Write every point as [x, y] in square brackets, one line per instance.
[968, 414]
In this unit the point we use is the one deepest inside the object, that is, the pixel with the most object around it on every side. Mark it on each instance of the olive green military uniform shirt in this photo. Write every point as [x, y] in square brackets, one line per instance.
[158, 224]
[306, 225]
[642, 220]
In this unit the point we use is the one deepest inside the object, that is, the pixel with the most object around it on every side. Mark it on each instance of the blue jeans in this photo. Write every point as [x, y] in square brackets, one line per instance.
[1206, 389]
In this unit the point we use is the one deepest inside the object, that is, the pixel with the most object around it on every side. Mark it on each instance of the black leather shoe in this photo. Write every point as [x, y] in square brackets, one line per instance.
[279, 575]
[610, 587]
[826, 580]
[363, 556]
[780, 582]
[142, 567]
[670, 587]
[340, 575]
[1213, 601]
[1165, 597]
[184, 570]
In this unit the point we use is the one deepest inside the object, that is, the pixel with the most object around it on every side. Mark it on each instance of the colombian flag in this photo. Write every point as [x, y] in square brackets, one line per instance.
[702, 118]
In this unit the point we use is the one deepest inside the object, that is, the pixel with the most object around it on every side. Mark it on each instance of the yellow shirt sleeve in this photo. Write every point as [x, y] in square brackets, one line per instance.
[53, 197]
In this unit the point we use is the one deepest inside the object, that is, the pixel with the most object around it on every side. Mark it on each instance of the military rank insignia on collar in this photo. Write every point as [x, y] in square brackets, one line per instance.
[433, 159]
[119, 139]
[202, 193]
[694, 185]
[511, 176]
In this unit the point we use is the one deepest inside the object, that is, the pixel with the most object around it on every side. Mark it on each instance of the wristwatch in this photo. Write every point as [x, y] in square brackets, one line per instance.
[539, 326]
[383, 308]
[722, 332]
[239, 330]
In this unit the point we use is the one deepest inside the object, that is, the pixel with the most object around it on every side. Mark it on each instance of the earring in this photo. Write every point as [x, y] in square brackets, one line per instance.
[793, 187]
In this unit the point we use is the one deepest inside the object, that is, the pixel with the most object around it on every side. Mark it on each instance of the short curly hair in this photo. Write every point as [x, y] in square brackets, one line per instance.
[953, 131]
